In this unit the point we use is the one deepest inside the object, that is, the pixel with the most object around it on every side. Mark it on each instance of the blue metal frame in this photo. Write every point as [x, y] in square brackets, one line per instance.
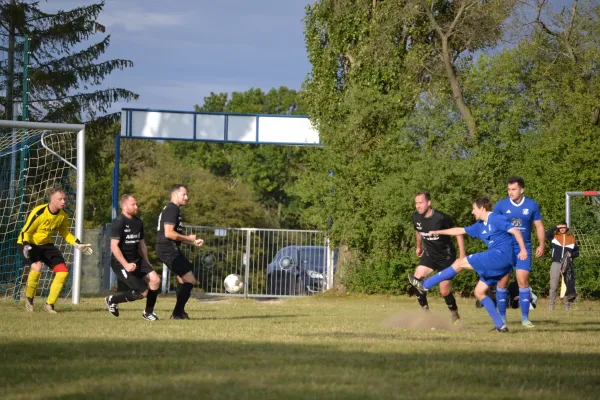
[215, 113]
[128, 131]
[116, 173]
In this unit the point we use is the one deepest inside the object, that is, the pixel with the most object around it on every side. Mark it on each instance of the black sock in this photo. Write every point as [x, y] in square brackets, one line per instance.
[151, 301]
[183, 295]
[422, 299]
[451, 302]
[125, 297]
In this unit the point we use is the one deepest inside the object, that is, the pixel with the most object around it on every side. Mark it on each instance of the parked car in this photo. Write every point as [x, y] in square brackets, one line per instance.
[298, 270]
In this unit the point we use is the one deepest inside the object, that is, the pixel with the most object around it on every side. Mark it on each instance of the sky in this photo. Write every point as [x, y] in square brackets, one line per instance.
[184, 49]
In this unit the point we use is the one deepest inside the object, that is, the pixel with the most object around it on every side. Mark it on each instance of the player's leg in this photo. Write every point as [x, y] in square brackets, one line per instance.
[153, 281]
[481, 294]
[523, 268]
[555, 276]
[421, 272]
[31, 259]
[183, 268]
[524, 296]
[134, 281]
[52, 257]
[444, 275]
[446, 292]
[502, 295]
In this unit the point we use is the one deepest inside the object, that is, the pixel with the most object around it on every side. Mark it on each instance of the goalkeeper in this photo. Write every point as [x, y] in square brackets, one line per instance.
[36, 247]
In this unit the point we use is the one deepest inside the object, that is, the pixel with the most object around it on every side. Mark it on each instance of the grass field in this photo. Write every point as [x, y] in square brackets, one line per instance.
[317, 348]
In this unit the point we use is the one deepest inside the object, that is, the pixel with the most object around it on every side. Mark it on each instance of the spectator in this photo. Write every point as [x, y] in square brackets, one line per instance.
[564, 249]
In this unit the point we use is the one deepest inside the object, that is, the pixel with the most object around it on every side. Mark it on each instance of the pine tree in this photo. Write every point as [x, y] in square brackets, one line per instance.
[64, 78]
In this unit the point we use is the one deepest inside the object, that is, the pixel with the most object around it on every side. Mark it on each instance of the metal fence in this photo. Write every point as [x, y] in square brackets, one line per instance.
[270, 262]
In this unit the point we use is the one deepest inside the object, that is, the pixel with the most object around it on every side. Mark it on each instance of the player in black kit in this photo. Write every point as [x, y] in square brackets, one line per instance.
[437, 252]
[168, 240]
[130, 261]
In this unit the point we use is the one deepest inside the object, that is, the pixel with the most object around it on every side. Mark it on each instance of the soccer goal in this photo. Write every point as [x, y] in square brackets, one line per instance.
[35, 157]
[583, 218]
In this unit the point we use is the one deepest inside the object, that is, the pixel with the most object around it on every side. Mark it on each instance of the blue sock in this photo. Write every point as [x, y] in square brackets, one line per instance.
[524, 300]
[490, 307]
[444, 275]
[502, 301]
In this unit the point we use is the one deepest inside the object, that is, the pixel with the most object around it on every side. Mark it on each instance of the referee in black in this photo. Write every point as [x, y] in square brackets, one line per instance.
[130, 261]
[168, 240]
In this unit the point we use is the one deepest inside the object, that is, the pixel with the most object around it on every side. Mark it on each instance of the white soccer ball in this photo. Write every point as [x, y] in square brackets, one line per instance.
[233, 283]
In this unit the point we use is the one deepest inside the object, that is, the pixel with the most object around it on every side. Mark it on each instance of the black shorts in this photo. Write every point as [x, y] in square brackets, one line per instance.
[49, 254]
[438, 265]
[175, 261]
[133, 279]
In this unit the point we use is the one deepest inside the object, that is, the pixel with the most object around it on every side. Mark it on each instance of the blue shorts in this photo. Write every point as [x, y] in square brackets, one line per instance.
[491, 266]
[523, 264]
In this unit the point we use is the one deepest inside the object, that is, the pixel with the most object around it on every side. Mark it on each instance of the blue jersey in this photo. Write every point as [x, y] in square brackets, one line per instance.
[494, 232]
[521, 215]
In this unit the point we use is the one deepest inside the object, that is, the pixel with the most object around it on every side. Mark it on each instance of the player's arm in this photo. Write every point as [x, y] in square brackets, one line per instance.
[450, 232]
[144, 250]
[460, 240]
[171, 233]
[541, 235]
[63, 230]
[419, 249]
[519, 238]
[170, 219]
[116, 251]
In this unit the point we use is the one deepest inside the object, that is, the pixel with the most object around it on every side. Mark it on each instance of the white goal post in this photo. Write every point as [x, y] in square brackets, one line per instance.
[568, 196]
[20, 134]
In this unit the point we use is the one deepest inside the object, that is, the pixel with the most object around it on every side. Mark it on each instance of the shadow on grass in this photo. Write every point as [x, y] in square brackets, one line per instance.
[375, 336]
[185, 369]
[194, 317]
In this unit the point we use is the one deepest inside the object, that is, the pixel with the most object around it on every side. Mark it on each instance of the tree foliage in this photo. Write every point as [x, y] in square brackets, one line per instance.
[382, 97]
[65, 69]
[269, 170]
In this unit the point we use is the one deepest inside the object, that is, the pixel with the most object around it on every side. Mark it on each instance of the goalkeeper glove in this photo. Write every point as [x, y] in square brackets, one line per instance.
[85, 248]
[26, 249]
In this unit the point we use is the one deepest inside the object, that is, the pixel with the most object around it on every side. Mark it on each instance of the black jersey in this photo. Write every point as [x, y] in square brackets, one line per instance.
[129, 232]
[438, 247]
[169, 216]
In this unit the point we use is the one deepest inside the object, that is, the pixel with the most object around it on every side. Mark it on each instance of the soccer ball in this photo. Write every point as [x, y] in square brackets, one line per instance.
[233, 283]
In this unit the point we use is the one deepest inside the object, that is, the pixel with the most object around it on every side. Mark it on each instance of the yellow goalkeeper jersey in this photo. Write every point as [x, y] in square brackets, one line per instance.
[41, 225]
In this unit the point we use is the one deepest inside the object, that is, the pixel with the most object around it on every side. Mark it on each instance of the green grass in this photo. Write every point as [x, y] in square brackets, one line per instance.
[325, 347]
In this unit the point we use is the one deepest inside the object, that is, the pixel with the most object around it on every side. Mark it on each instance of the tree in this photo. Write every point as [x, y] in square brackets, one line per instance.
[60, 72]
[460, 26]
[269, 170]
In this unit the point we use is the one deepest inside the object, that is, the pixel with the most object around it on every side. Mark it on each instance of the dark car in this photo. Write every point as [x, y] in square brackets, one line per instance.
[298, 270]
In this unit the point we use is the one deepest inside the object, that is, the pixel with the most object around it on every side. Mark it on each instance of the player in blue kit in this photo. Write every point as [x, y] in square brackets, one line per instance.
[491, 266]
[523, 213]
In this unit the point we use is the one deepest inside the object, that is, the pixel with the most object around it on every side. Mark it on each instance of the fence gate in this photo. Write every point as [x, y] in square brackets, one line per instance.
[271, 262]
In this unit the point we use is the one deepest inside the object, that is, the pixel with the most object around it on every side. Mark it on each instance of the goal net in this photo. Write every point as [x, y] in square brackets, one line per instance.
[583, 218]
[32, 161]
